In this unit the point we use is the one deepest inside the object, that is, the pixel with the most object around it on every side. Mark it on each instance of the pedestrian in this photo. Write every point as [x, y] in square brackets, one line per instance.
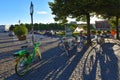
[80, 39]
[52, 33]
[99, 38]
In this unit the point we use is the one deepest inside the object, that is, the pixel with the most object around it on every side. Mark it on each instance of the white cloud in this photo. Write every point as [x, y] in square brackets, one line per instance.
[41, 12]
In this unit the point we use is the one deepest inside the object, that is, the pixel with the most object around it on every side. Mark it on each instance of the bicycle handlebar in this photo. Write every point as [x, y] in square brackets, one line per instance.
[37, 44]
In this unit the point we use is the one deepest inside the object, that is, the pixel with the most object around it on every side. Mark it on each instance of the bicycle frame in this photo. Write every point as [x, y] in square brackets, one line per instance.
[67, 44]
[29, 56]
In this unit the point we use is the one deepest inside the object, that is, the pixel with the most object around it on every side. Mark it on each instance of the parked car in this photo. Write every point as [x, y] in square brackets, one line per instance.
[11, 34]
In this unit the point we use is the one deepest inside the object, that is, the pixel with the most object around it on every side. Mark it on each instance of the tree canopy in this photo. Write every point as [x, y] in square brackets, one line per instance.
[79, 8]
[110, 9]
[74, 9]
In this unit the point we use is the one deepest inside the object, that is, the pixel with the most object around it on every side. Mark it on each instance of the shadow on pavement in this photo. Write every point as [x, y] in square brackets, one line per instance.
[16, 43]
[106, 61]
[8, 41]
[108, 64]
[55, 65]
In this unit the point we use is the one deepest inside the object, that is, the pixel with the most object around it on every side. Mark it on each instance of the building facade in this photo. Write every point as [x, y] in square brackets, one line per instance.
[4, 28]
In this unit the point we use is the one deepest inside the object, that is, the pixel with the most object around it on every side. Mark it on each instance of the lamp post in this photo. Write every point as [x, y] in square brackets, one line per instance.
[19, 22]
[31, 14]
[65, 30]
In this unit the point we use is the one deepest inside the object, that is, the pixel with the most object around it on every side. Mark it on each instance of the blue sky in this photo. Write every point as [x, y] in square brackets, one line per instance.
[11, 11]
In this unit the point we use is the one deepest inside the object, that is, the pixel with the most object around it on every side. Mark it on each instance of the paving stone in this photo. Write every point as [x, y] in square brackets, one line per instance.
[87, 64]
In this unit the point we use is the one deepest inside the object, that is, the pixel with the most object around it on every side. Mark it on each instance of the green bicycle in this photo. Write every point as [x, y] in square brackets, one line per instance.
[24, 58]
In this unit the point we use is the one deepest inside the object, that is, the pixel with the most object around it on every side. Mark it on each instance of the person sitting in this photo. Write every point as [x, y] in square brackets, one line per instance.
[100, 40]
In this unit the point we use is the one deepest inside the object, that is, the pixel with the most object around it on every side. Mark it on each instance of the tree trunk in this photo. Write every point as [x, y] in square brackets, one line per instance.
[117, 30]
[21, 38]
[88, 29]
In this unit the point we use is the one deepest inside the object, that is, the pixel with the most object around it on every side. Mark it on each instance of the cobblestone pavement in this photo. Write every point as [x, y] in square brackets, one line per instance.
[91, 63]
[99, 63]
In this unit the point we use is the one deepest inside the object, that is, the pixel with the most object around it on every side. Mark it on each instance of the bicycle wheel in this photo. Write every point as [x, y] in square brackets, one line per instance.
[79, 46]
[38, 53]
[21, 67]
[61, 46]
[67, 52]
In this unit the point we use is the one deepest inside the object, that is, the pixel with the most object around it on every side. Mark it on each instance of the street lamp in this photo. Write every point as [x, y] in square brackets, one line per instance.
[31, 9]
[31, 14]
[19, 22]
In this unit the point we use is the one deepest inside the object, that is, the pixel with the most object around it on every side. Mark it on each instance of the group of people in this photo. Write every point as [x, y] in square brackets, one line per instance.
[97, 38]
[50, 33]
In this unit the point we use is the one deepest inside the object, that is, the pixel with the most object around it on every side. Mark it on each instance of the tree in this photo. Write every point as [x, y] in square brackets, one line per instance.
[74, 9]
[28, 27]
[109, 8]
[11, 28]
[21, 32]
[36, 26]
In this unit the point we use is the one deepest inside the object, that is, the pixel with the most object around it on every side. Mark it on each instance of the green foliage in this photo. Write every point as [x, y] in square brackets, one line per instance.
[51, 26]
[112, 22]
[99, 32]
[28, 26]
[76, 33]
[91, 26]
[85, 27]
[11, 28]
[20, 30]
[93, 32]
[81, 9]
[61, 33]
[109, 9]
[72, 27]
[71, 8]
[108, 32]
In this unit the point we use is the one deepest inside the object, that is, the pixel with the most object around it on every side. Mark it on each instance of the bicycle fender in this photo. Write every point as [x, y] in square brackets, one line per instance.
[16, 61]
[21, 53]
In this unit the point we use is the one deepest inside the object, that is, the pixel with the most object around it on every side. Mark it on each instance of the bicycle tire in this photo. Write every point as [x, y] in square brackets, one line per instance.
[67, 52]
[38, 53]
[61, 46]
[80, 46]
[21, 67]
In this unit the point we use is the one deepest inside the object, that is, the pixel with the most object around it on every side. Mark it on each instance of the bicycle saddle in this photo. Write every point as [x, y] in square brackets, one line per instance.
[24, 46]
